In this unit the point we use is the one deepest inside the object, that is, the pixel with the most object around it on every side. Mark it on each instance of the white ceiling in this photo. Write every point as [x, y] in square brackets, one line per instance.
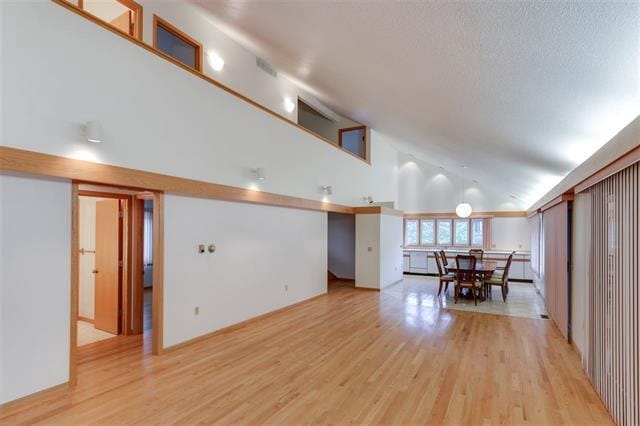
[520, 92]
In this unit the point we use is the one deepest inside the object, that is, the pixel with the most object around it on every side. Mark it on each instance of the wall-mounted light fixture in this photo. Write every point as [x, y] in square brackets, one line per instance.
[289, 106]
[94, 131]
[326, 189]
[259, 173]
[216, 62]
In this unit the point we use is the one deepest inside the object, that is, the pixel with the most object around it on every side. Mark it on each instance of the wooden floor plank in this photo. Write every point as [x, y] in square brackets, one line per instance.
[350, 356]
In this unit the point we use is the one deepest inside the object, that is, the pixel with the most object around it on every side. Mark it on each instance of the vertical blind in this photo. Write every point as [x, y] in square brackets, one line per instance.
[613, 294]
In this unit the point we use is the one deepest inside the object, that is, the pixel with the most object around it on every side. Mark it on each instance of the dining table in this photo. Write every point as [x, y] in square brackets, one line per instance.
[484, 269]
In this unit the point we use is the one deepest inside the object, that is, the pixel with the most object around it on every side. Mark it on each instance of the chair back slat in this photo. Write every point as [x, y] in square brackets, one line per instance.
[507, 266]
[466, 269]
[443, 257]
[478, 253]
[439, 264]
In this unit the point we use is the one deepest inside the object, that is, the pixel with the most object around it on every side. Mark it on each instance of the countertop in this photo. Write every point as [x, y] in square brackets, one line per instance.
[450, 250]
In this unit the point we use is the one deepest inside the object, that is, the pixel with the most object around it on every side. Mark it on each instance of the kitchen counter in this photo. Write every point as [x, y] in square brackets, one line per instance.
[421, 261]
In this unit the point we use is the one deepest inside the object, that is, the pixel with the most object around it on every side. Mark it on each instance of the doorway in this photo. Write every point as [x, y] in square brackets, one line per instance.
[102, 269]
[116, 269]
[341, 250]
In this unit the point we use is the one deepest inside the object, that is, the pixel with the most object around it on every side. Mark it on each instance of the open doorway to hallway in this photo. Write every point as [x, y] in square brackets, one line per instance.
[341, 250]
[115, 263]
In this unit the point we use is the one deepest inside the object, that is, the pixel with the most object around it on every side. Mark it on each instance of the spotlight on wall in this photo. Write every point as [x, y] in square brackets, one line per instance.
[94, 131]
[326, 189]
[216, 62]
[289, 106]
[259, 173]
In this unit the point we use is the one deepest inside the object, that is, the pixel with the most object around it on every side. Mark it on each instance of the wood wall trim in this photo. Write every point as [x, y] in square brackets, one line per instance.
[378, 210]
[240, 324]
[450, 215]
[157, 309]
[29, 162]
[564, 197]
[201, 75]
[631, 157]
[75, 285]
[178, 33]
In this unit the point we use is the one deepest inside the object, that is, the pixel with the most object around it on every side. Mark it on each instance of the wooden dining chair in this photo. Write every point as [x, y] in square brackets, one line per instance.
[444, 277]
[501, 280]
[466, 277]
[478, 253]
[445, 262]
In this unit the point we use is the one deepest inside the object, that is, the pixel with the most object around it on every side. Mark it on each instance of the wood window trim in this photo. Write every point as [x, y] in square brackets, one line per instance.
[405, 232]
[366, 140]
[129, 4]
[481, 220]
[453, 232]
[435, 220]
[435, 233]
[165, 25]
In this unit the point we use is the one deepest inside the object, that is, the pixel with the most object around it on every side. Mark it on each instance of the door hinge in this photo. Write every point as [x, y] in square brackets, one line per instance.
[120, 263]
[121, 214]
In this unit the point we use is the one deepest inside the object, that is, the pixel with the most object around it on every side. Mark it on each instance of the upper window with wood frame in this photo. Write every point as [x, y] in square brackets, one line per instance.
[347, 134]
[354, 140]
[125, 15]
[180, 46]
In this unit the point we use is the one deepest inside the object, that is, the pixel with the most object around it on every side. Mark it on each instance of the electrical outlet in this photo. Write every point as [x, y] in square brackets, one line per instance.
[286, 287]
[369, 249]
[196, 310]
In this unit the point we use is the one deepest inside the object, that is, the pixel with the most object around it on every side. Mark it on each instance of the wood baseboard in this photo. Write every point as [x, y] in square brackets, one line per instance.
[238, 325]
[367, 288]
[85, 319]
[36, 395]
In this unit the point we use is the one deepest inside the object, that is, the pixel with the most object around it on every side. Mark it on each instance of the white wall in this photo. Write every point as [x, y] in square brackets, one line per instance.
[35, 284]
[157, 117]
[425, 187]
[342, 245]
[368, 250]
[391, 244]
[510, 233]
[378, 250]
[260, 249]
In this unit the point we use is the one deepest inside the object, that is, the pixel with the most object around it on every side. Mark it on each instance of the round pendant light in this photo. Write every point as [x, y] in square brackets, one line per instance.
[464, 210]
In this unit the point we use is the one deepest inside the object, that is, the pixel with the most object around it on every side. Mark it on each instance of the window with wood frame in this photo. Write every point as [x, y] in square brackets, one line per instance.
[444, 232]
[354, 140]
[177, 44]
[124, 15]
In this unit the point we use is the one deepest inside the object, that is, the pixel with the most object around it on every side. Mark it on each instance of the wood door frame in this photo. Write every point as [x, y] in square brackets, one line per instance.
[130, 267]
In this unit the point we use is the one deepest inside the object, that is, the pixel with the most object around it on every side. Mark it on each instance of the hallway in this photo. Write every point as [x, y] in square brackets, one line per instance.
[348, 356]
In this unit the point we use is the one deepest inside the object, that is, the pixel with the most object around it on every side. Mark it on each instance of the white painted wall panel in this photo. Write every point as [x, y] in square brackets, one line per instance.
[368, 250]
[510, 233]
[260, 249]
[35, 284]
[157, 117]
[390, 249]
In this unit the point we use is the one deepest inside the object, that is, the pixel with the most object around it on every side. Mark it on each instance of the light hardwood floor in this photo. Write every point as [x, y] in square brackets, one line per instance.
[350, 356]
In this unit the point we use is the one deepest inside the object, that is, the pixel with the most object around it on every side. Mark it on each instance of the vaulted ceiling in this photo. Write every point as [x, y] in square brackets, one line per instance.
[519, 92]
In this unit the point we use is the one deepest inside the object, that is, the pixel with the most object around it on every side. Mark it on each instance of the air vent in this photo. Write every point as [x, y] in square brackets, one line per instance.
[266, 67]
